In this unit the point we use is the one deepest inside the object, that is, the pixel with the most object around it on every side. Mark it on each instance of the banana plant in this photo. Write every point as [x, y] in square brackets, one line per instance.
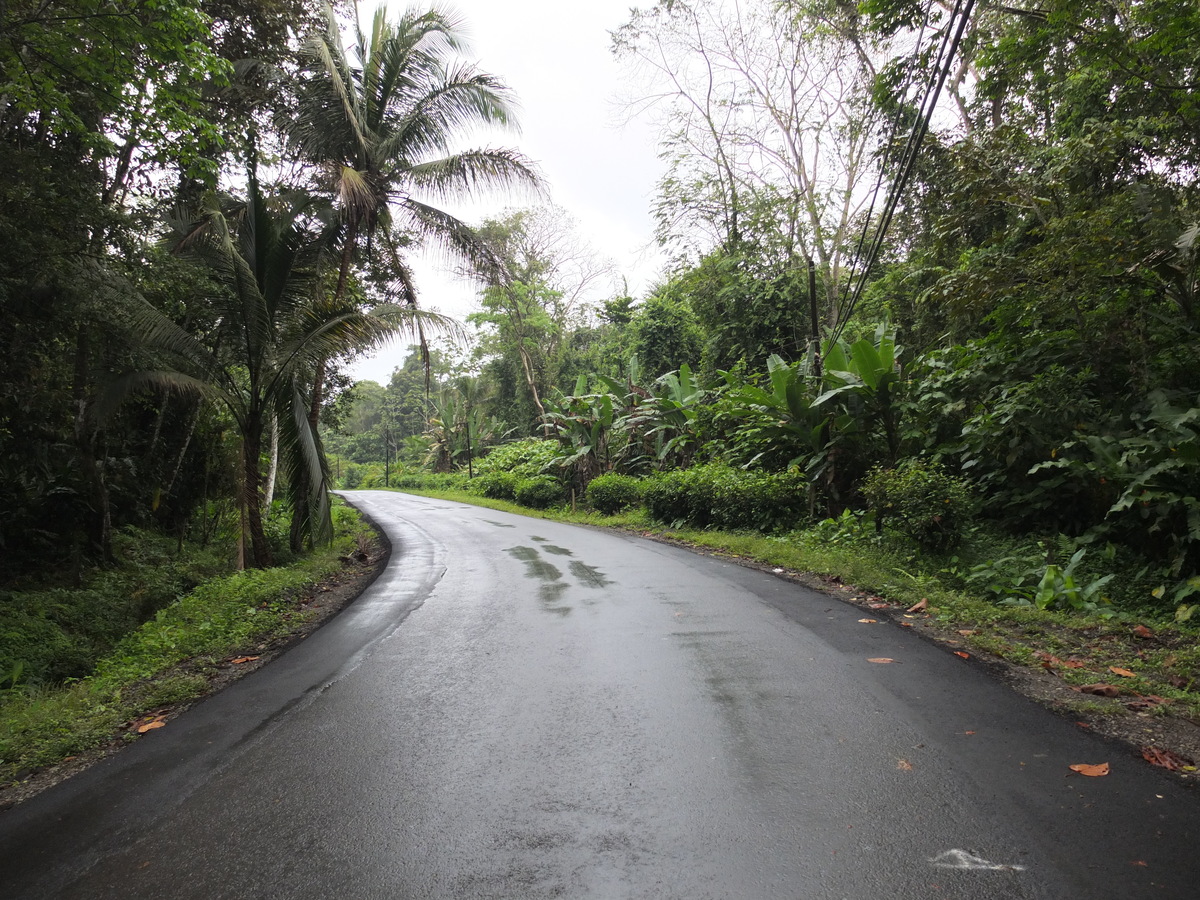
[668, 417]
[583, 422]
[781, 413]
[863, 379]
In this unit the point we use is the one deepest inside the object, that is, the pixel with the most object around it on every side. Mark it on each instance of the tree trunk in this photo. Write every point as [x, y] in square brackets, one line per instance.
[252, 501]
[273, 466]
[99, 519]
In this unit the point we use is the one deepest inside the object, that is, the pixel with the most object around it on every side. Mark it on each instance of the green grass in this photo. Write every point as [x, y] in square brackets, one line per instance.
[220, 618]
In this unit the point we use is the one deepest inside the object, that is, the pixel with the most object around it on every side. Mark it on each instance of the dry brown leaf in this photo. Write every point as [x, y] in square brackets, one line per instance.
[963, 655]
[1149, 701]
[868, 621]
[967, 631]
[921, 604]
[1139, 862]
[906, 625]
[1091, 770]
[1142, 631]
[243, 659]
[1101, 690]
[880, 659]
[874, 605]
[150, 726]
[1157, 756]
[1124, 673]
[1073, 664]
[968, 732]
[904, 765]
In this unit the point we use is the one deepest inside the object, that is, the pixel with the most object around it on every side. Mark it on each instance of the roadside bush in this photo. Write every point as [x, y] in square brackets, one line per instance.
[539, 492]
[609, 494]
[719, 496]
[678, 497]
[497, 485]
[924, 501]
[430, 481]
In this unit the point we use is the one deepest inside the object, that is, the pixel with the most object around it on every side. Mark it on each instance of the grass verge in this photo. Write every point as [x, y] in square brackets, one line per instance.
[171, 659]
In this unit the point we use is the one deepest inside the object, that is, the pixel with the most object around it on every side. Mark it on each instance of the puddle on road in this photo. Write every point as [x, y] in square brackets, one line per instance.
[549, 594]
[552, 587]
[535, 566]
[501, 524]
[557, 551]
[589, 576]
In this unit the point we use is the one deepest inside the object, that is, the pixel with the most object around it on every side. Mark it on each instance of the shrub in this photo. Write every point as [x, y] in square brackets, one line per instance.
[925, 502]
[676, 498]
[763, 501]
[539, 492]
[610, 494]
[497, 485]
[429, 481]
[719, 496]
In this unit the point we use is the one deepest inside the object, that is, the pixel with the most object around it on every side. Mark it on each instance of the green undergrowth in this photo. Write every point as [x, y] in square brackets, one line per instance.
[164, 661]
[1080, 645]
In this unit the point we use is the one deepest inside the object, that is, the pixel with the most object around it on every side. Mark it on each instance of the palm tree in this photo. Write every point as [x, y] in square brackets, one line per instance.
[381, 120]
[272, 329]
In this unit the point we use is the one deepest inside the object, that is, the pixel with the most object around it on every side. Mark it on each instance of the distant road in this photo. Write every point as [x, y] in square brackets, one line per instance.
[523, 709]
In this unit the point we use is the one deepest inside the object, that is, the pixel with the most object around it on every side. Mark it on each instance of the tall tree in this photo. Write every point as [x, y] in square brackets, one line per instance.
[382, 120]
[271, 331]
[766, 127]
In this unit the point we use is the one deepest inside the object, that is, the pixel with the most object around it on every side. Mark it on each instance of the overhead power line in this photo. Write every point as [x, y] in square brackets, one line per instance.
[951, 39]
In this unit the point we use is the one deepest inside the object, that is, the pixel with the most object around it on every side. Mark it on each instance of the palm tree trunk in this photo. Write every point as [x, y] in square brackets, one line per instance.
[273, 466]
[252, 499]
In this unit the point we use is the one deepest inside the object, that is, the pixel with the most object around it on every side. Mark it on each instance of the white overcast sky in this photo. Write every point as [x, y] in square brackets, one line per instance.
[554, 55]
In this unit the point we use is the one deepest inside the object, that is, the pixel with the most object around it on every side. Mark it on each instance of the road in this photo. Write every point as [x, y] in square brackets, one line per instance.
[522, 709]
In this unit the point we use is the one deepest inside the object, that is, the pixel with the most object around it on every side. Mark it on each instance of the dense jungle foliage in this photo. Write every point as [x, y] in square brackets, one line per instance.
[210, 208]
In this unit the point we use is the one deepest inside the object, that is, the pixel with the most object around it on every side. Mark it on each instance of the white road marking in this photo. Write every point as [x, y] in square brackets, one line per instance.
[961, 859]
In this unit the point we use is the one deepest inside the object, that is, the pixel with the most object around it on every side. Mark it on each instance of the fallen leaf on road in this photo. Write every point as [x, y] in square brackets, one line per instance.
[1142, 631]
[150, 726]
[904, 765]
[868, 621]
[906, 625]
[963, 655]
[243, 659]
[880, 659]
[874, 605]
[1124, 673]
[1157, 756]
[1092, 770]
[921, 604]
[1139, 862]
[968, 732]
[1100, 690]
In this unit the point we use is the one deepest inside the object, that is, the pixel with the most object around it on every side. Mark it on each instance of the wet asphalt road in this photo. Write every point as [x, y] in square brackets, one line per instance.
[522, 709]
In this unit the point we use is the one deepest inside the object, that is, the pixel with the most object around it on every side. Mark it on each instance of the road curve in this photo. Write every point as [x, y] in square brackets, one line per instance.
[522, 709]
